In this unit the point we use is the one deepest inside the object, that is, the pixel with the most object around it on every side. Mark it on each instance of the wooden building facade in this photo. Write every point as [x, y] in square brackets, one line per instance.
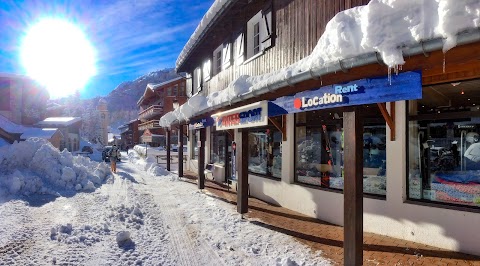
[157, 100]
[401, 166]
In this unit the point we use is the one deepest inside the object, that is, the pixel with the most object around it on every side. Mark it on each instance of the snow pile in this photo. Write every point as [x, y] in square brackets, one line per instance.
[382, 26]
[87, 234]
[3, 142]
[132, 215]
[123, 237]
[35, 166]
[148, 164]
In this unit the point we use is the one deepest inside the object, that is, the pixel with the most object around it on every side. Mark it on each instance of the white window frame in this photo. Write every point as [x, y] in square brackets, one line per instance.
[250, 34]
[265, 33]
[216, 66]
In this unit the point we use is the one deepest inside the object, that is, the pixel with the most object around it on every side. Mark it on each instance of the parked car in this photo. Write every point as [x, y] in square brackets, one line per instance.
[106, 156]
[87, 149]
[175, 148]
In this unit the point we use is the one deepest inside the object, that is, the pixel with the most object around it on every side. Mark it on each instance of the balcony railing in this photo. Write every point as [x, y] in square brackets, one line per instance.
[149, 125]
[150, 112]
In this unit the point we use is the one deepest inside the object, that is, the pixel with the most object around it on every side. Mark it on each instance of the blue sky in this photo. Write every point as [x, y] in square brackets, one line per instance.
[131, 37]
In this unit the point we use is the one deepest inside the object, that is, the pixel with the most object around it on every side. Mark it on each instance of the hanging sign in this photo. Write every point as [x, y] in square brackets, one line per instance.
[252, 115]
[201, 123]
[404, 86]
[147, 136]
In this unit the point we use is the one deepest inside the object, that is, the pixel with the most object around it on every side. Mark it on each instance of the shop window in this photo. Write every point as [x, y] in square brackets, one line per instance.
[4, 95]
[217, 147]
[319, 158]
[264, 152]
[444, 144]
[195, 139]
[175, 90]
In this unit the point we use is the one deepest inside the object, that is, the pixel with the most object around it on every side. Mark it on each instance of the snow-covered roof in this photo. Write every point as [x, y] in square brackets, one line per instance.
[11, 127]
[44, 133]
[207, 21]
[153, 86]
[383, 30]
[59, 121]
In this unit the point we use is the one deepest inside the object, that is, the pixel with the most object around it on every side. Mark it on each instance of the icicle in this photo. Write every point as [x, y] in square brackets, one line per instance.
[443, 63]
[390, 75]
[396, 70]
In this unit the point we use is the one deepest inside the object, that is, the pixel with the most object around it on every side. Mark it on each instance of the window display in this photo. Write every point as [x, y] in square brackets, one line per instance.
[195, 139]
[319, 157]
[265, 154]
[217, 148]
[444, 146]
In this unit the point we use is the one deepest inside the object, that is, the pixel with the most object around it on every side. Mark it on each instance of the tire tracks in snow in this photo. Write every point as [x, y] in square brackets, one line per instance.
[190, 249]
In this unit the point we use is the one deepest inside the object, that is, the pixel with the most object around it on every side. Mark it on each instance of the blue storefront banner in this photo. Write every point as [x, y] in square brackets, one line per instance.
[201, 123]
[404, 86]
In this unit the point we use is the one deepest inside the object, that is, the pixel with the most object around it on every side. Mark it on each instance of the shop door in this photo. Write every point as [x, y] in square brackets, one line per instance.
[228, 157]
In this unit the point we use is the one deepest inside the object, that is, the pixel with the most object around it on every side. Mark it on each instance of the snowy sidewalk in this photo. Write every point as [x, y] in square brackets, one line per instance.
[328, 238]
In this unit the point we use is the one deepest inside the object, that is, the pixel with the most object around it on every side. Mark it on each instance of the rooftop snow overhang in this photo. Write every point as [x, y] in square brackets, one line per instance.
[218, 9]
[422, 47]
[146, 95]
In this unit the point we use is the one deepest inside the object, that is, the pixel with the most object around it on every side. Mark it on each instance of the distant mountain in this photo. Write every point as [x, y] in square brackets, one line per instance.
[125, 96]
[121, 102]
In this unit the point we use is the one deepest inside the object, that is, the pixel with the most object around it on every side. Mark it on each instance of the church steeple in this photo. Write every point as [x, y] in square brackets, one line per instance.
[104, 121]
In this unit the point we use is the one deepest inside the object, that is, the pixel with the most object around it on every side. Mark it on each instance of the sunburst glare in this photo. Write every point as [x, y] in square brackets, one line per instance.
[57, 54]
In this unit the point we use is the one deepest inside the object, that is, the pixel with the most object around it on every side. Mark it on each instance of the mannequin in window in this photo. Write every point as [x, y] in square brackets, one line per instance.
[473, 151]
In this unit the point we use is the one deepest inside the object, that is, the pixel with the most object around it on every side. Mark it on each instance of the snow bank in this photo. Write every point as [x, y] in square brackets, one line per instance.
[148, 164]
[35, 166]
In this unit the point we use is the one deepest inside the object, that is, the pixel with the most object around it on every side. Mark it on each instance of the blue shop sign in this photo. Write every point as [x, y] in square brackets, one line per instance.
[404, 86]
[201, 123]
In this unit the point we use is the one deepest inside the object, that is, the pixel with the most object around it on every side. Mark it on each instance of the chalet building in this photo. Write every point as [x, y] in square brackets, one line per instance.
[53, 135]
[22, 100]
[69, 128]
[129, 134]
[11, 132]
[22, 104]
[278, 110]
[157, 100]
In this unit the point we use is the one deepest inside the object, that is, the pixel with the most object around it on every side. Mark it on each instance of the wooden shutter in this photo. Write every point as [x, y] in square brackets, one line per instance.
[227, 55]
[207, 69]
[239, 54]
[198, 80]
[266, 30]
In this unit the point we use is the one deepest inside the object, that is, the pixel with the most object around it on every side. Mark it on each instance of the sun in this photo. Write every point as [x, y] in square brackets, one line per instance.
[58, 55]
